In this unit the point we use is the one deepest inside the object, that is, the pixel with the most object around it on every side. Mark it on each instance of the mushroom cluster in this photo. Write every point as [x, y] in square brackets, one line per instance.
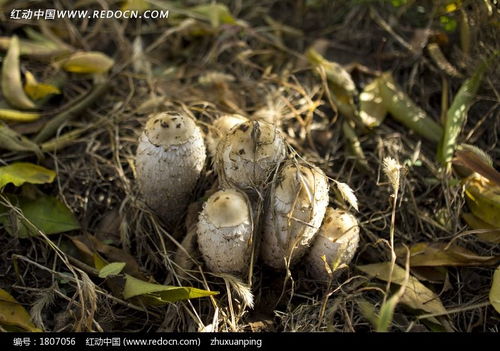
[255, 175]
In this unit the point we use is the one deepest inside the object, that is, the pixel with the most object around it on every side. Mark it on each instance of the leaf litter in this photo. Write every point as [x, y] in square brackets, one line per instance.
[88, 136]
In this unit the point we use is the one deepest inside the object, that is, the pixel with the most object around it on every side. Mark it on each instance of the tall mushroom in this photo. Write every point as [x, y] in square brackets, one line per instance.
[335, 244]
[298, 203]
[170, 156]
[225, 232]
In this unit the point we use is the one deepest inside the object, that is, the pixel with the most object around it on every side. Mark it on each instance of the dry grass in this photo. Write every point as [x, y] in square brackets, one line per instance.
[263, 67]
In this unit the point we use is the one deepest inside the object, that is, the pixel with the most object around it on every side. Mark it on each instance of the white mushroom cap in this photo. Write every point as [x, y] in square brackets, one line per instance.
[170, 156]
[225, 232]
[249, 153]
[222, 126]
[298, 205]
[337, 240]
[169, 129]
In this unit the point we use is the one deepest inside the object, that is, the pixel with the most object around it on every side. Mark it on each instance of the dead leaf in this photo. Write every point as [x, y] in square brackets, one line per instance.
[438, 255]
[13, 316]
[430, 274]
[495, 290]
[347, 194]
[477, 161]
[89, 246]
[36, 90]
[416, 296]
[88, 62]
[483, 198]
[18, 116]
[492, 235]
[12, 88]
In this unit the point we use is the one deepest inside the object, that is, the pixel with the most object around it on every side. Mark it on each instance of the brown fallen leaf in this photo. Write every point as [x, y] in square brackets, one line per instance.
[430, 274]
[491, 233]
[108, 229]
[89, 246]
[88, 62]
[472, 159]
[483, 199]
[438, 255]
[416, 295]
[12, 88]
[494, 295]
[13, 316]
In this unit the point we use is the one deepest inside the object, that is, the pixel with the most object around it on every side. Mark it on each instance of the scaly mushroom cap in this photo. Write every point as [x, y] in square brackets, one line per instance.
[298, 205]
[337, 240]
[225, 232]
[170, 156]
[168, 130]
[222, 126]
[249, 153]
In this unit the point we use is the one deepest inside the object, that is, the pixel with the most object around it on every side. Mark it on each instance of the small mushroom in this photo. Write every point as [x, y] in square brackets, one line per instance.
[222, 126]
[249, 153]
[297, 206]
[335, 244]
[225, 232]
[170, 156]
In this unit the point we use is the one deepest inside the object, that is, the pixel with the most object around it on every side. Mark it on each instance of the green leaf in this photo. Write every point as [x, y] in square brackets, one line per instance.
[405, 111]
[46, 213]
[354, 146]
[135, 5]
[217, 14]
[13, 316]
[457, 113]
[99, 262]
[372, 111]
[13, 141]
[22, 172]
[160, 294]
[367, 309]
[386, 314]
[495, 290]
[114, 268]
